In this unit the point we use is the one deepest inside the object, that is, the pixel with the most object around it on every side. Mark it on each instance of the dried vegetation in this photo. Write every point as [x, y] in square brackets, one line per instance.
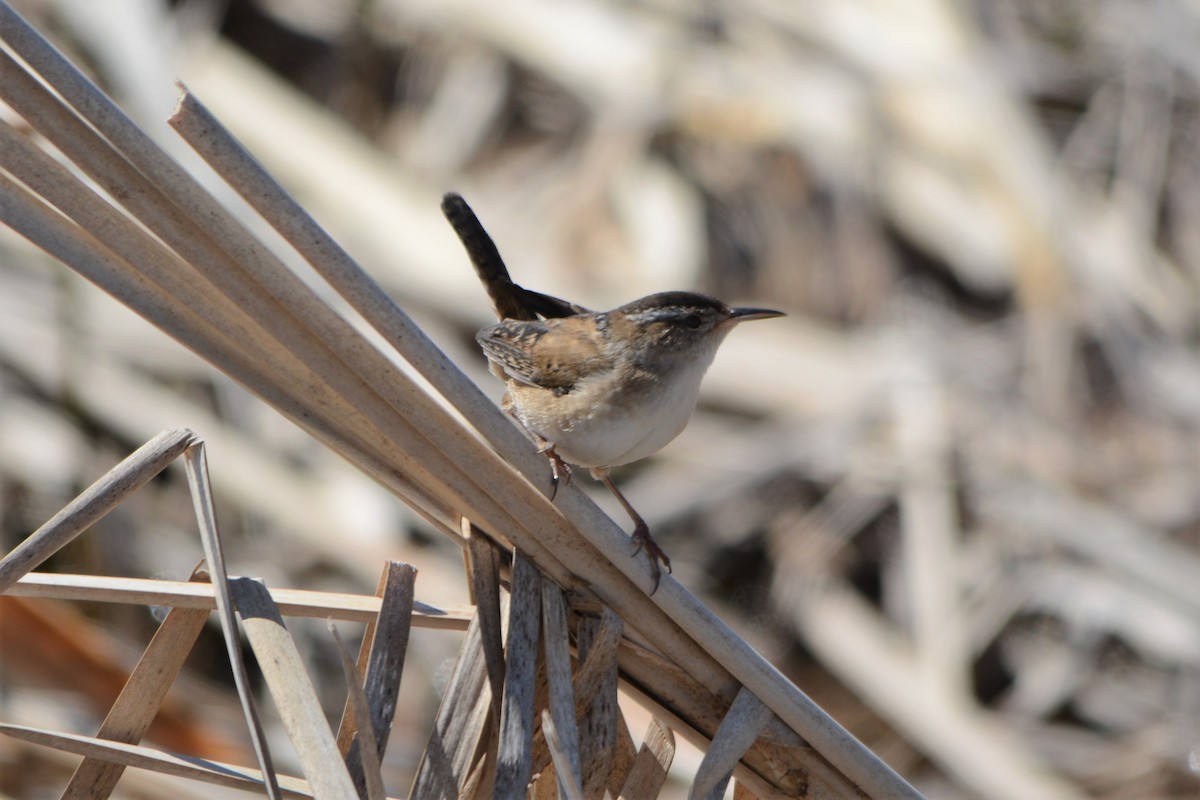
[955, 496]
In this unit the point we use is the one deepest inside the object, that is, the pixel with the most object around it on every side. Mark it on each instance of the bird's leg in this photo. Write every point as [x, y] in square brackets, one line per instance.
[560, 471]
[641, 531]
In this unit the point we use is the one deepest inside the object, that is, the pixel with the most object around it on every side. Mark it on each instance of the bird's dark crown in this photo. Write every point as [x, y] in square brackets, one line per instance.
[672, 307]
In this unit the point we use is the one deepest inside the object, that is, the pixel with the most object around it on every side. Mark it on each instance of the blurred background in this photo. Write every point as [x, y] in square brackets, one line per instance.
[955, 495]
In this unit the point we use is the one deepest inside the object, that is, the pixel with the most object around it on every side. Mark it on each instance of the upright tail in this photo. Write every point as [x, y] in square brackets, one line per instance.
[510, 300]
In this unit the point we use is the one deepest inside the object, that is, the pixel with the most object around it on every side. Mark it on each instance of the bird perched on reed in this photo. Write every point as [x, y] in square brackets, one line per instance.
[596, 389]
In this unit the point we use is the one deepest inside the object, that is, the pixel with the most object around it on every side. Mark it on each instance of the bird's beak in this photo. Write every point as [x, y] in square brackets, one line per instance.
[746, 314]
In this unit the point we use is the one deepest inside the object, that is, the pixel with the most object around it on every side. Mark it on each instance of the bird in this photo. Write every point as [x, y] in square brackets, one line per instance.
[597, 389]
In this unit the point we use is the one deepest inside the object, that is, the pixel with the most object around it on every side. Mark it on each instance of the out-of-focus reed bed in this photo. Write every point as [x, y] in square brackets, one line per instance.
[953, 496]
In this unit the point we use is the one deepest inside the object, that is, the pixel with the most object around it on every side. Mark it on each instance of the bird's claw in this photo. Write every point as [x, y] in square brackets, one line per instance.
[642, 541]
[560, 471]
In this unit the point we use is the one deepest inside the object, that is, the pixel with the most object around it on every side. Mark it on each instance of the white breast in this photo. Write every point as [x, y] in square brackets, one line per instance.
[626, 428]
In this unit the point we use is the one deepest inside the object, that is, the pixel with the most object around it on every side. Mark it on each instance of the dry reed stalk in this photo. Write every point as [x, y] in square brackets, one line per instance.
[210, 772]
[292, 690]
[379, 669]
[196, 465]
[364, 770]
[180, 594]
[132, 712]
[279, 661]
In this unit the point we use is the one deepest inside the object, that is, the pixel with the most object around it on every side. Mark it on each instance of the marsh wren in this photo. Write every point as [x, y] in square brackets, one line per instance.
[596, 389]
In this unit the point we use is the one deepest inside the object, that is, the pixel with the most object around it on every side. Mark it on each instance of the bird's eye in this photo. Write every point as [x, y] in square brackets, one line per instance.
[692, 321]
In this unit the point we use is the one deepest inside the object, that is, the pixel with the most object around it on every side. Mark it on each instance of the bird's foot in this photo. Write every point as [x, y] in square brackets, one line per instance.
[643, 541]
[560, 471]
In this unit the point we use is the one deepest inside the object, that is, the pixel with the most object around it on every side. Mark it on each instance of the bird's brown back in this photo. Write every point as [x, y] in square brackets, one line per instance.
[553, 354]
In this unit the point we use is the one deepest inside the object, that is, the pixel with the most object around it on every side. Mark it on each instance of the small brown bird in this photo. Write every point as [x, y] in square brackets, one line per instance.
[596, 389]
